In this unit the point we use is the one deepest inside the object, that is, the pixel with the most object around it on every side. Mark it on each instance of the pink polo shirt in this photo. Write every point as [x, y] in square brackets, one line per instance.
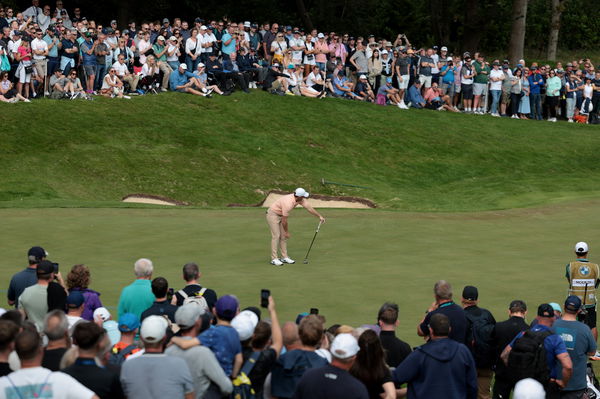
[284, 205]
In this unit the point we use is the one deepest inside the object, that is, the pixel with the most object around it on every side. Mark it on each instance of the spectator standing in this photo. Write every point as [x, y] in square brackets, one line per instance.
[571, 95]
[203, 365]
[78, 279]
[75, 307]
[580, 344]
[160, 307]
[442, 368]
[193, 50]
[583, 277]
[128, 327]
[53, 60]
[426, 63]
[375, 69]
[154, 374]
[334, 381]
[370, 367]
[56, 329]
[525, 104]
[88, 55]
[359, 60]
[137, 297]
[92, 342]
[25, 68]
[444, 304]
[297, 47]
[112, 327]
[496, 78]
[502, 335]
[321, 51]
[516, 90]
[553, 87]
[31, 379]
[467, 74]
[480, 85]
[68, 48]
[191, 276]
[228, 42]
[536, 83]
[39, 49]
[8, 333]
[396, 350]
[27, 277]
[102, 55]
[160, 53]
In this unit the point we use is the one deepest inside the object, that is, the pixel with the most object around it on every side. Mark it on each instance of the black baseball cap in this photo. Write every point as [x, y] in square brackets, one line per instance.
[545, 310]
[470, 293]
[36, 253]
[44, 267]
[573, 303]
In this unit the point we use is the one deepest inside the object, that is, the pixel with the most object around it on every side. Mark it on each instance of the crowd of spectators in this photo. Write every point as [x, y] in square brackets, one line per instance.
[52, 52]
[61, 342]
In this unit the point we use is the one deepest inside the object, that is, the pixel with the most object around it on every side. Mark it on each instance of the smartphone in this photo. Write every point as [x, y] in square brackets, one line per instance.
[170, 293]
[264, 298]
[55, 267]
[314, 311]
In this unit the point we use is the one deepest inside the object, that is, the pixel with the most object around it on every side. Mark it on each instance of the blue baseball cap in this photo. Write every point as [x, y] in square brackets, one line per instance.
[573, 303]
[389, 80]
[227, 306]
[75, 299]
[128, 322]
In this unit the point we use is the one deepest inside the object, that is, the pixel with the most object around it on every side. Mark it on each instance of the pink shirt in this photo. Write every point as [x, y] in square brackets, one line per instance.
[284, 205]
[321, 47]
[25, 53]
[340, 51]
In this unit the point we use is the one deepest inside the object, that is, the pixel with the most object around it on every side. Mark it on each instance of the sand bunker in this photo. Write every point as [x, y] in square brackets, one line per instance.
[152, 199]
[318, 201]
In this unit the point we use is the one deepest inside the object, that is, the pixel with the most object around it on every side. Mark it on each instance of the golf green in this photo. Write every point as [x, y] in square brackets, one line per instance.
[360, 259]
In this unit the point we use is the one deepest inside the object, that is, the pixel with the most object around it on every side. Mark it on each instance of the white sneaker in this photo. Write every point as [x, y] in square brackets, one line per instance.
[46, 94]
[570, 120]
[399, 105]
[127, 97]
[276, 262]
[403, 105]
[515, 116]
[287, 260]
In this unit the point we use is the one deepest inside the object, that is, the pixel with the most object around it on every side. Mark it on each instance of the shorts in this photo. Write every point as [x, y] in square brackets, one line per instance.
[404, 84]
[318, 88]
[457, 87]
[505, 97]
[10, 94]
[448, 88]
[479, 89]
[467, 91]
[89, 70]
[425, 81]
[41, 67]
[23, 76]
[590, 318]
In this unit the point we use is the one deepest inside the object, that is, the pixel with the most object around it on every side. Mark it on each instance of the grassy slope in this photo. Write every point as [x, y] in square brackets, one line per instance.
[219, 151]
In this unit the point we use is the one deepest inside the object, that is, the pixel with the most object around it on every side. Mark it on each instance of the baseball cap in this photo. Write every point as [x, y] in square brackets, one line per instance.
[581, 247]
[254, 26]
[555, 307]
[290, 66]
[36, 253]
[201, 65]
[444, 48]
[388, 80]
[227, 306]
[125, 31]
[183, 66]
[187, 315]
[165, 20]
[203, 27]
[384, 52]
[275, 65]
[114, 21]
[470, 293]
[449, 59]
[154, 328]
[573, 303]
[172, 38]
[128, 322]
[344, 346]
[529, 388]
[161, 37]
[362, 77]
[545, 310]
[75, 299]
[45, 267]
[320, 35]
[245, 323]
[101, 312]
[300, 192]
[247, 24]
[435, 47]
[496, 63]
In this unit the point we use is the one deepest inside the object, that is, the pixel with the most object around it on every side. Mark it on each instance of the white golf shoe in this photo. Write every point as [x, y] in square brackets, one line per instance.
[288, 260]
[276, 262]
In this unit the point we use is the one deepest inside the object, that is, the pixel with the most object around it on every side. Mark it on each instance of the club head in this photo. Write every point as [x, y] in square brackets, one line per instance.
[305, 261]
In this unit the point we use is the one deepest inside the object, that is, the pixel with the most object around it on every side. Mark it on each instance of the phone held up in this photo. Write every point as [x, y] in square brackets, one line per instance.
[264, 298]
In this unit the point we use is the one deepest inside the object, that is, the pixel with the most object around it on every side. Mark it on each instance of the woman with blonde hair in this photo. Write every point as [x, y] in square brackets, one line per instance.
[78, 279]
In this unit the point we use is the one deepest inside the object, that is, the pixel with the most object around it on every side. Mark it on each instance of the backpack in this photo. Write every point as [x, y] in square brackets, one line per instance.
[527, 359]
[479, 338]
[117, 357]
[242, 386]
[197, 298]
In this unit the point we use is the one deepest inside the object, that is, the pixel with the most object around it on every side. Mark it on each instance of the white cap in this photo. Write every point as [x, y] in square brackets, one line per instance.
[529, 389]
[203, 27]
[161, 37]
[247, 24]
[449, 59]
[173, 38]
[362, 77]
[320, 35]
[154, 328]
[101, 312]
[245, 323]
[344, 346]
[444, 48]
[384, 52]
[201, 65]
[183, 66]
[300, 192]
[581, 247]
[187, 315]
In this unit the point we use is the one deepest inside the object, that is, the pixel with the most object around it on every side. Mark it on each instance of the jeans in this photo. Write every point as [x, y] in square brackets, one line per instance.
[495, 100]
[53, 64]
[570, 107]
[321, 66]
[100, 73]
[175, 65]
[66, 64]
[192, 64]
[536, 106]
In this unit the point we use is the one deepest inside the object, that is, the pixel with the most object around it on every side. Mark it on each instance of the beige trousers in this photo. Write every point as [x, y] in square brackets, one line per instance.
[484, 382]
[166, 70]
[132, 80]
[278, 239]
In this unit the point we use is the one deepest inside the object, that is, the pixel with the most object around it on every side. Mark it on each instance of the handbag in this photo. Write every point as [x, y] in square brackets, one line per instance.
[5, 63]
[29, 69]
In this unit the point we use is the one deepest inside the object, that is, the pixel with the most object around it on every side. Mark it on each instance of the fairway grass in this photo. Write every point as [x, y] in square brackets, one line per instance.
[360, 259]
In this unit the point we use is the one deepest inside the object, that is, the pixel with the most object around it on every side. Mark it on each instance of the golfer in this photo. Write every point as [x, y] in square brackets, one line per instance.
[277, 218]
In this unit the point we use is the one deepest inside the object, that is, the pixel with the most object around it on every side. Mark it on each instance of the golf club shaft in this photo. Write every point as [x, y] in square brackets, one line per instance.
[312, 242]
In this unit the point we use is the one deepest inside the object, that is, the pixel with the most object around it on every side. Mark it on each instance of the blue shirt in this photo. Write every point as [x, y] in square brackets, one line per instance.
[339, 81]
[228, 48]
[535, 88]
[414, 96]
[178, 79]
[449, 76]
[579, 341]
[87, 59]
[53, 52]
[554, 346]
[20, 281]
[224, 341]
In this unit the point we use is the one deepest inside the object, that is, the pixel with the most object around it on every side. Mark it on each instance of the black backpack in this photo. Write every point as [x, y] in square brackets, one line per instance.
[527, 359]
[479, 338]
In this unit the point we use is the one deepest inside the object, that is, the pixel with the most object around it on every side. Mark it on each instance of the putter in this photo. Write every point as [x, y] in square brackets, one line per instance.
[311, 243]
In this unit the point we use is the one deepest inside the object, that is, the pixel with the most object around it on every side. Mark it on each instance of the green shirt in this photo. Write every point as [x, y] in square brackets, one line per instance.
[157, 48]
[136, 297]
[481, 78]
[34, 301]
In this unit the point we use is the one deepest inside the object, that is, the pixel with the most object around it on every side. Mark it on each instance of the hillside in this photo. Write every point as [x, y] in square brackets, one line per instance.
[212, 152]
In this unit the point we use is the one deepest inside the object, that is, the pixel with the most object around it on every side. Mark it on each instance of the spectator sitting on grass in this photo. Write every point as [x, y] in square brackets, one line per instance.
[363, 89]
[112, 86]
[137, 297]
[57, 85]
[150, 74]
[180, 81]
[7, 92]
[436, 100]
[388, 92]
[123, 74]
[275, 82]
[414, 97]
[78, 279]
[342, 87]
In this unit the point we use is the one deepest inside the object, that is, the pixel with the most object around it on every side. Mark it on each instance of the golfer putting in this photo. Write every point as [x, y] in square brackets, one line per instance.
[277, 219]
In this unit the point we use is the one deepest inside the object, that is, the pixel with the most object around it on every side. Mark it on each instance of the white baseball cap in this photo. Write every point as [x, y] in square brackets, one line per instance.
[344, 346]
[201, 65]
[187, 315]
[173, 38]
[161, 37]
[384, 52]
[320, 35]
[183, 66]
[581, 247]
[362, 77]
[444, 48]
[529, 388]
[203, 27]
[154, 328]
[102, 312]
[245, 323]
[247, 24]
[300, 192]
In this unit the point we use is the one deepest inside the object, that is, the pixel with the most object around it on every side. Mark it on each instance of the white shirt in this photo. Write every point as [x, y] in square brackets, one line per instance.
[297, 54]
[143, 46]
[208, 38]
[120, 68]
[31, 380]
[38, 45]
[34, 12]
[278, 47]
[72, 321]
[174, 57]
[44, 22]
[192, 47]
[436, 59]
[147, 71]
[496, 74]
[310, 80]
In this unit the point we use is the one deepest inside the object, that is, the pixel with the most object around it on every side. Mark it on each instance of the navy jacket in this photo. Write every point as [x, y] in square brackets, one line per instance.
[442, 368]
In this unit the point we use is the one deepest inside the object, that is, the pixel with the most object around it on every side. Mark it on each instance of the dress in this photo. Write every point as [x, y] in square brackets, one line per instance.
[524, 106]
